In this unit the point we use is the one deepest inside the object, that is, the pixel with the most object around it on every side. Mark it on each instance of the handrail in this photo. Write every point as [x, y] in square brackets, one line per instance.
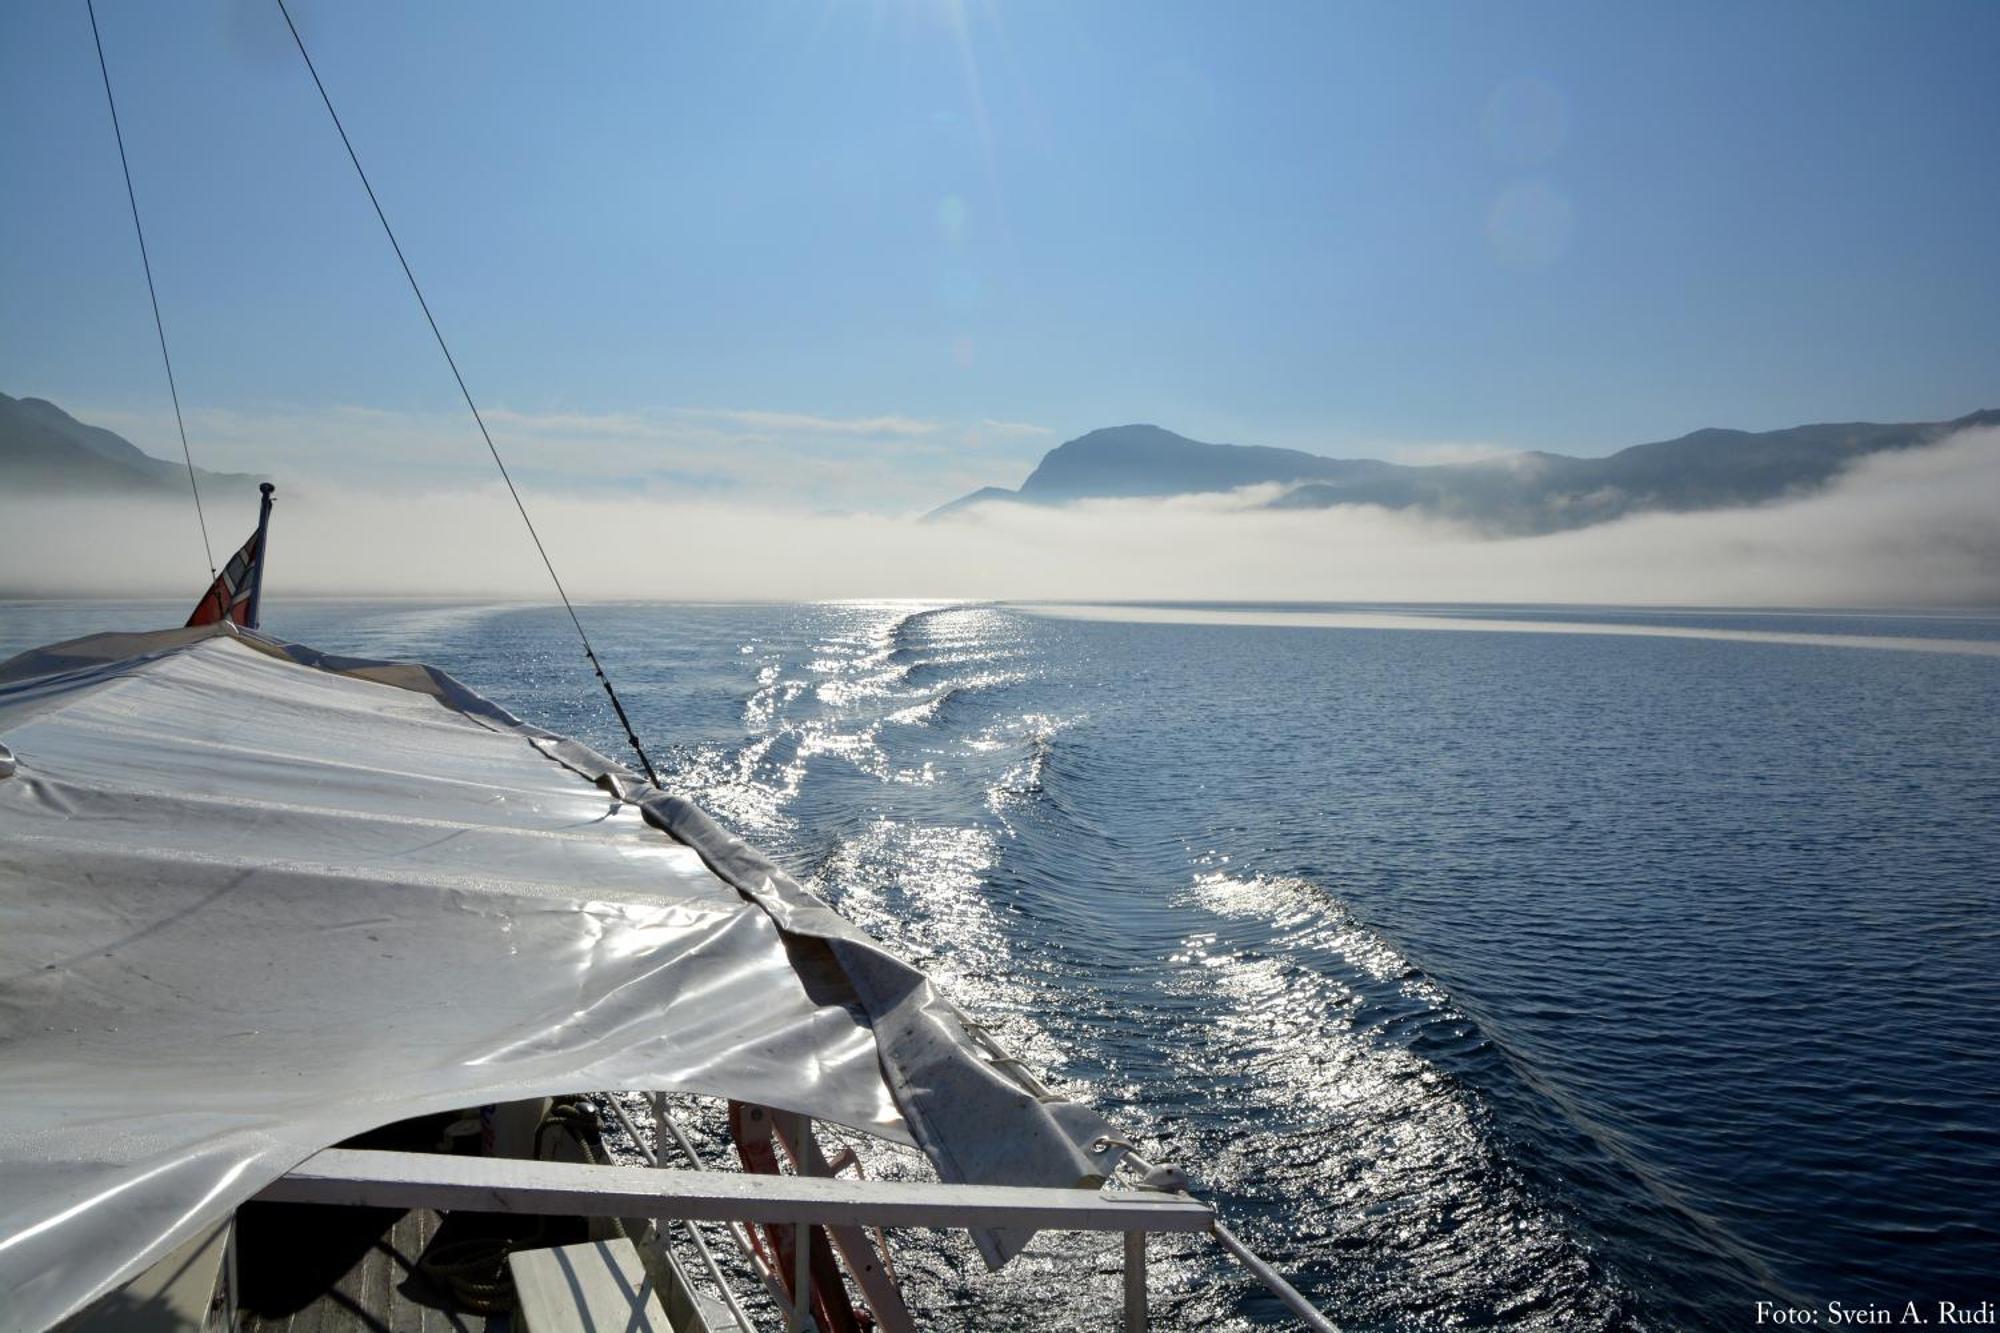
[1274, 1281]
[739, 1234]
[360, 1177]
[653, 1156]
[1287, 1294]
[1252, 1262]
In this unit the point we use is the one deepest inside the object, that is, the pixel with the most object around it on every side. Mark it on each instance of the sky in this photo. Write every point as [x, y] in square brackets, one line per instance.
[746, 288]
[869, 254]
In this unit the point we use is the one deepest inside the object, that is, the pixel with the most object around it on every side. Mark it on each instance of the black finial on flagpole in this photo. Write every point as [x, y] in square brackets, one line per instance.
[257, 567]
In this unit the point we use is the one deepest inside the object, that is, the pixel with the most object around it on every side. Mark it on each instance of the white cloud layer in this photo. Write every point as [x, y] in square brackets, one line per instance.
[888, 462]
[1912, 528]
[815, 425]
[1445, 452]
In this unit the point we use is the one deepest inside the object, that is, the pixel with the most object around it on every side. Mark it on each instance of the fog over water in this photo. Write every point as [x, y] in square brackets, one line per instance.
[1908, 528]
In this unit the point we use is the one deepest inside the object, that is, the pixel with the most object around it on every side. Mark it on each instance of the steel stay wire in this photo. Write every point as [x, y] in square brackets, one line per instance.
[145, 260]
[1269, 1277]
[590, 653]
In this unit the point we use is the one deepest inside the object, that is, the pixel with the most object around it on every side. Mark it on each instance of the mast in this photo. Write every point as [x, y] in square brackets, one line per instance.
[257, 567]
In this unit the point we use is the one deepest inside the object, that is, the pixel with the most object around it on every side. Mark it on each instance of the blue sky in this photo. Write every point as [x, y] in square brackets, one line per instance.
[872, 253]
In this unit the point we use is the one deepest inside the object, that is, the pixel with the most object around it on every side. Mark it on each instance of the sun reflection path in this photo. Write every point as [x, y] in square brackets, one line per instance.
[1275, 1049]
[1374, 1151]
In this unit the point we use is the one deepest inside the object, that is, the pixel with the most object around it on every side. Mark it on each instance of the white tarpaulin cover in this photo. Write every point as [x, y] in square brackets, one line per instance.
[255, 900]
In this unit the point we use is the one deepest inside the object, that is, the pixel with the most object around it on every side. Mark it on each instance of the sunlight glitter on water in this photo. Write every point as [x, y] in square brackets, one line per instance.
[1441, 958]
[1399, 1156]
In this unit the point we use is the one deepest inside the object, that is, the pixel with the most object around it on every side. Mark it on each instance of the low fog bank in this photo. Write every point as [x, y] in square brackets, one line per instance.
[1910, 528]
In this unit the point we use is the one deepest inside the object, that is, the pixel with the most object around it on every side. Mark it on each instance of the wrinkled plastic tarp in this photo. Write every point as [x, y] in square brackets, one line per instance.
[255, 900]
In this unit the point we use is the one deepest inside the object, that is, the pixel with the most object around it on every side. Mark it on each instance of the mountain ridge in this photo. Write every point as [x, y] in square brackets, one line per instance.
[45, 449]
[1528, 492]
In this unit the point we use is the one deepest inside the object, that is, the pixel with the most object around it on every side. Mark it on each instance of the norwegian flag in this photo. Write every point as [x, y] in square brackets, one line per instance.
[233, 595]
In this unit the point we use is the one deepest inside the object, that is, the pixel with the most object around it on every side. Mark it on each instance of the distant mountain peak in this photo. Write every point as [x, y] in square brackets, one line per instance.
[1135, 432]
[1143, 459]
[1534, 491]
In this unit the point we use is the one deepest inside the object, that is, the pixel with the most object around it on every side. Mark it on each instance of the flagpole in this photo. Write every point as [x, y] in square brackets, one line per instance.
[257, 567]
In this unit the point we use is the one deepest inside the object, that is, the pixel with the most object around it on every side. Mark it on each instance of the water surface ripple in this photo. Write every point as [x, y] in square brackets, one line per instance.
[1500, 979]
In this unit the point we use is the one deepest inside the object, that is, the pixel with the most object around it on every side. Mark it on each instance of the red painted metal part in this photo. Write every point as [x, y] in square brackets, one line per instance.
[867, 1261]
[756, 1145]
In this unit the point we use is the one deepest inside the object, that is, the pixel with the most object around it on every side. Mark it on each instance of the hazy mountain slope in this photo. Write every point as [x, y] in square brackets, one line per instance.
[1146, 460]
[1528, 492]
[43, 448]
[981, 496]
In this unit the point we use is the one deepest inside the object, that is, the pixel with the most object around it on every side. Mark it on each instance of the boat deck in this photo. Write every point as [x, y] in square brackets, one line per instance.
[294, 1282]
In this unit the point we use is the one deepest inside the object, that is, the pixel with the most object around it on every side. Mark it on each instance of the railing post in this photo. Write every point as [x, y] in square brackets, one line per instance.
[800, 1316]
[232, 1278]
[1135, 1282]
[664, 1126]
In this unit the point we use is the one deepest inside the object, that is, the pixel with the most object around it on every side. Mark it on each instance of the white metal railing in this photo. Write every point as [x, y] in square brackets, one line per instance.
[1252, 1262]
[656, 1156]
[368, 1178]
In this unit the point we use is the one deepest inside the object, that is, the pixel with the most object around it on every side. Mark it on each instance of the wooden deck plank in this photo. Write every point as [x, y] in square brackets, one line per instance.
[382, 1292]
[595, 1285]
[406, 1243]
[377, 1268]
[349, 1312]
[311, 1317]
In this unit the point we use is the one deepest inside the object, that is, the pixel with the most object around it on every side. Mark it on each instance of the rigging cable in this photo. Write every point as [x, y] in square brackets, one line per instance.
[145, 260]
[590, 653]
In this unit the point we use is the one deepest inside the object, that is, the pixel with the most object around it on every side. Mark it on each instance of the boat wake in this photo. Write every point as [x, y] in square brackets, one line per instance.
[1247, 1027]
[1372, 1170]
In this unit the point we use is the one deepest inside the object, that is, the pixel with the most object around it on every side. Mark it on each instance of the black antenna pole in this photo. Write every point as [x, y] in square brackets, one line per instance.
[263, 556]
[589, 653]
[159, 326]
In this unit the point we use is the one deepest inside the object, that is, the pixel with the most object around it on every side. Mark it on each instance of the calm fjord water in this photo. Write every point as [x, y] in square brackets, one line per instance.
[1488, 979]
